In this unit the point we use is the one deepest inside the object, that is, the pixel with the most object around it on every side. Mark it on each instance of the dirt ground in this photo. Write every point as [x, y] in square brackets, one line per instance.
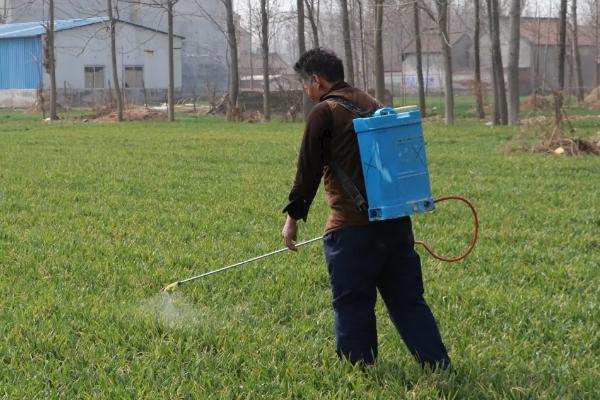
[537, 103]
[129, 114]
[570, 146]
[593, 98]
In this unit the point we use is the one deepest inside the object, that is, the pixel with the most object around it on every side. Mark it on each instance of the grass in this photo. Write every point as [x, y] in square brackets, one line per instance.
[96, 218]
[464, 106]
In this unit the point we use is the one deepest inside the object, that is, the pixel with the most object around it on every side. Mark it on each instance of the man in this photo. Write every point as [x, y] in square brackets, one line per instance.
[362, 257]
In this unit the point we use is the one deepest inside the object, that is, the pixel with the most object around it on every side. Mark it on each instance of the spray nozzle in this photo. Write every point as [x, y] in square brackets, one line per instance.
[171, 287]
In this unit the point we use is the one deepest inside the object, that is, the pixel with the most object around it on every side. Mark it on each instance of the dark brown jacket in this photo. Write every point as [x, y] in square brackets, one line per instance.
[329, 135]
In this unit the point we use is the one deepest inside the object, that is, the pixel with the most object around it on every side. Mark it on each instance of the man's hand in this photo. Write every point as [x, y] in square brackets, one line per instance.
[290, 233]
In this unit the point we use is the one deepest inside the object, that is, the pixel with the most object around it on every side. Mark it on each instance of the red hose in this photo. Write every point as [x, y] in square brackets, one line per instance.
[475, 231]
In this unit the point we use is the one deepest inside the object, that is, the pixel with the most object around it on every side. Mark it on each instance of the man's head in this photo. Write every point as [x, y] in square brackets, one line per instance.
[319, 69]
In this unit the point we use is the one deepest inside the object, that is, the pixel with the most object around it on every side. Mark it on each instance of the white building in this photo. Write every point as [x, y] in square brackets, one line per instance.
[83, 61]
[204, 54]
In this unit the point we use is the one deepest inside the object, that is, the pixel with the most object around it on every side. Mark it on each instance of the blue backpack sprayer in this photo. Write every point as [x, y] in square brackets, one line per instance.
[394, 164]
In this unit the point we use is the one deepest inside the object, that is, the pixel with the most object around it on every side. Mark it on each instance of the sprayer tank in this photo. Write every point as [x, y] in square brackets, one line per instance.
[394, 164]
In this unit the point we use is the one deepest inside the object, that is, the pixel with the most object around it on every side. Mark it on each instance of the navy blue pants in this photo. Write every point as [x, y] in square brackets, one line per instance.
[380, 256]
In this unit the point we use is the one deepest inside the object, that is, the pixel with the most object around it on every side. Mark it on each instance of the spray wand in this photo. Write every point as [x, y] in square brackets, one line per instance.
[171, 287]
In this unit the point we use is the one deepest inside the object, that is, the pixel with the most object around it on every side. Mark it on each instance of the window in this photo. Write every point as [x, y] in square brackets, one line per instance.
[94, 77]
[134, 76]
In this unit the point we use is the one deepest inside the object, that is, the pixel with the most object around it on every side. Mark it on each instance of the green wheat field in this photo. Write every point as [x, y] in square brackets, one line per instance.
[96, 218]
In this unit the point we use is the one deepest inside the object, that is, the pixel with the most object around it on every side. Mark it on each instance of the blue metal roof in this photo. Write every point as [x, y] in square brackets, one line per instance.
[31, 29]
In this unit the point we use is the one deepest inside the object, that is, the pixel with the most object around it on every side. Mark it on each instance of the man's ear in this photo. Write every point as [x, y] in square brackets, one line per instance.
[316, 79]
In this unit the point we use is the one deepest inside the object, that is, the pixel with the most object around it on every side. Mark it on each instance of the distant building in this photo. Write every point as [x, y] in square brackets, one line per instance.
[204, 53]
[404, 76]
[538, 54]
[281, 74]
[538, 59]
[83, 62]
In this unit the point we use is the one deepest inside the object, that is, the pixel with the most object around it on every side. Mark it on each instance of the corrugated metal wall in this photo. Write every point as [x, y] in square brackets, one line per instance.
[20, 63]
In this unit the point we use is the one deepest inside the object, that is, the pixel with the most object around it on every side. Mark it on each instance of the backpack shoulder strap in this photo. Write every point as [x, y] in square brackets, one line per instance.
[349, 105]
[349, 186]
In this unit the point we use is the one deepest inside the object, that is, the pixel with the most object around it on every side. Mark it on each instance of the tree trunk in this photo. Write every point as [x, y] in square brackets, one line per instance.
[171, 94]
[4, 18]
[478, 84]
[500, 105]
[500, 69]
[597, 35]
[347, 42]
[234, 79]
[251, 57]
[113, 56]
[52, 61]
[420, 79]
[496, 105]
[363, 60]
[576, 54]
[306, 103]
[379, 73]
[312, 19]
[513, 62]
[265, 57]
[562, 55]
[442, 6]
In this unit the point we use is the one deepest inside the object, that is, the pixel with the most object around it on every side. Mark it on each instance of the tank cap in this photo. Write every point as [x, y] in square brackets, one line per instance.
[384, 111]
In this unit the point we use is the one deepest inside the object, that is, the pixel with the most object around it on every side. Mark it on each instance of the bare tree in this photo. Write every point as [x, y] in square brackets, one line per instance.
[440, 18]
[171, 93]
[51, 60]
[379, 66]
[4, 15]
[363, 50]
[418, 50]
[234, 79]
[113, 54]
[250, 58]
[347, 42]
[229, 31]
[306, 103]
[576, 54]
[442, 7]
[500, 105]
[597, 52]
[513, 62]
[167, 6]
[313, 19]
[478, 83]
[562, 53]
[265, 58]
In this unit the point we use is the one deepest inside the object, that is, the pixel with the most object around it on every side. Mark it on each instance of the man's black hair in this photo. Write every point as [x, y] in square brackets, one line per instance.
[320, 62]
